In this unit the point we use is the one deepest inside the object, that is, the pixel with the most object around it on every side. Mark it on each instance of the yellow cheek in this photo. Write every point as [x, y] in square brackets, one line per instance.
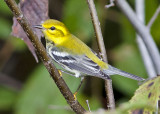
[56, 38]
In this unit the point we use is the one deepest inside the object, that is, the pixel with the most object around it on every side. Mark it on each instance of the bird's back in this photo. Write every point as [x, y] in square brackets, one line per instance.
[80, 48]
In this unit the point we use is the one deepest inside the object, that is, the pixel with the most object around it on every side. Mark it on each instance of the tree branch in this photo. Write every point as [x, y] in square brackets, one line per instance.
[74, 104]
[143, 50]
[143, 32]
[154, 17]
[110, 5]
[97, 29]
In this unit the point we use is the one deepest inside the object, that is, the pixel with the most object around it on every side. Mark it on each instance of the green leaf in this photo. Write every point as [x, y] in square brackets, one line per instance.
[148, 93]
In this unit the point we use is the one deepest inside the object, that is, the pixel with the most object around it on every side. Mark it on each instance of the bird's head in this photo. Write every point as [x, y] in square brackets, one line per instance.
[53, 28]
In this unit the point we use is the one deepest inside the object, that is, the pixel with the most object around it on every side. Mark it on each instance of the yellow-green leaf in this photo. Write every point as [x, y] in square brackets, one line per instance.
[147, 93]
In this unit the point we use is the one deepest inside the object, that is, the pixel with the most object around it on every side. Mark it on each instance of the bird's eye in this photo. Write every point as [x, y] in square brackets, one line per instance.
[52, 28]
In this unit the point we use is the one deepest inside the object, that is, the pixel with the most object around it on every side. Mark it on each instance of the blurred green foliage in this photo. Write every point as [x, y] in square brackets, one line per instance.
[5, 24]
[39, 94]
[75, 23]
[7, 98]
[5, 28]
[150, 9]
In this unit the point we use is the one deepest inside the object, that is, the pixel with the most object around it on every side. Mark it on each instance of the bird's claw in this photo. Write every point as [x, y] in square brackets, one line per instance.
[75, 95]
[60, 73]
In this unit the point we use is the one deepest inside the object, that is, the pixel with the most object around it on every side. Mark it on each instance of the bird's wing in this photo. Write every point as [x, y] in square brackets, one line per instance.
[76, 62]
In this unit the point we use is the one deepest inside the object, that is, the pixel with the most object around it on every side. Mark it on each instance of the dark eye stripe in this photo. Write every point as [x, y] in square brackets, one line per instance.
[52, 28]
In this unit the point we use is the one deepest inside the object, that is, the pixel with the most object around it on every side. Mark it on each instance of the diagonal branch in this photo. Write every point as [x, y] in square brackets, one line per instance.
[154, 17]
[74, 104]
[142, 47]
[110, 5]
[143, 32]
[97, 29]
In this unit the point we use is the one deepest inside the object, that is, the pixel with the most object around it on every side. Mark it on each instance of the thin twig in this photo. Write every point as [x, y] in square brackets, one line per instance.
[74, 104]
[154, 17]
[110, 5]
[96, 24]
[143, 32]
[97, 28]
[157, 107]
[143, 50]
[109, 92]
[88, 105]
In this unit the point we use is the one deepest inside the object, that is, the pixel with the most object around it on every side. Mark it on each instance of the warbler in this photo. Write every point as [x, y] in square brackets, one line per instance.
[73, 55]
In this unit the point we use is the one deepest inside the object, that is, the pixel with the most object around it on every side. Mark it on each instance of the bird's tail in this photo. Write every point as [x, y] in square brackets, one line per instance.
[112, 71]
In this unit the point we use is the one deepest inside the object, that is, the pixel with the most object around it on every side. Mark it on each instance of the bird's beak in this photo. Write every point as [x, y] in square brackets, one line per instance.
[38, 26]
